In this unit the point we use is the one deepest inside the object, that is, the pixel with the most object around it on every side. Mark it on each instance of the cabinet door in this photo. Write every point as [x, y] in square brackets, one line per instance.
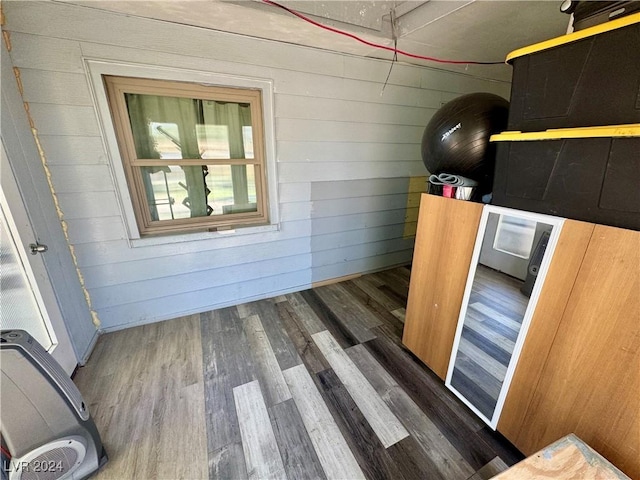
[569, 254]
[590, 383]
[446, 235]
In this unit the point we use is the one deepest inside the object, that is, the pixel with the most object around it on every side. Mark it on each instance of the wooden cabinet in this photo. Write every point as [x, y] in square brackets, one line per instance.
[585, 377]
[579, 368]
[445, 238]
[570, 251]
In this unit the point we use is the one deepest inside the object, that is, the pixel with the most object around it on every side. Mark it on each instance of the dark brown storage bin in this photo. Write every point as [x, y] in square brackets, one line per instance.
[591, 179]
[590, 81]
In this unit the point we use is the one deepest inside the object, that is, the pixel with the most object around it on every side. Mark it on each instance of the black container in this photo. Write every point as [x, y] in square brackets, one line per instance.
[590, 13]
[591, 179]
[590, 81]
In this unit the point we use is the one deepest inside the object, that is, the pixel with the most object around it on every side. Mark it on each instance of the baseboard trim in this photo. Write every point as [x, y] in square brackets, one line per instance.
[85, 357]
[331, 281]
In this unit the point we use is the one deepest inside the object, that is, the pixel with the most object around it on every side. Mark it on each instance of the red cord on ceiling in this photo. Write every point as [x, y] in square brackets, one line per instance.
[375, 45]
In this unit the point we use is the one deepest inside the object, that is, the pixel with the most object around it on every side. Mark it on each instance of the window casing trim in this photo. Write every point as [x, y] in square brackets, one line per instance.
[119, 87]
[96, 69]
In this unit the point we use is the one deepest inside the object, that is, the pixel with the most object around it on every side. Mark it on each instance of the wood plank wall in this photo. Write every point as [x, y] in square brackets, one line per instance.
[345, 158]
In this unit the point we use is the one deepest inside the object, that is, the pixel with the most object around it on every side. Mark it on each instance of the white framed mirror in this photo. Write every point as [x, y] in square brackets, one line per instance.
[510, 260]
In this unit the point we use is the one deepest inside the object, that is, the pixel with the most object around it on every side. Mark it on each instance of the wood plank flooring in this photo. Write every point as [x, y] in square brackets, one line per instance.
[314, 384]
[492, 322]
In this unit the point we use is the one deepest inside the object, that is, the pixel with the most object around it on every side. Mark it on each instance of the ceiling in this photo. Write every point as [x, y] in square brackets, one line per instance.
[476, 30]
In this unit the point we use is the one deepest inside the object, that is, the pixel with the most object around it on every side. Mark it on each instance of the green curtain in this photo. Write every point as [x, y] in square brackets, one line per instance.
[185, 113]
[234, 116]
[145, 146]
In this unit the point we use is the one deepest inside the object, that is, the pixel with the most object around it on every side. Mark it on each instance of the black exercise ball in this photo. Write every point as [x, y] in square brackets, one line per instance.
[456, 139]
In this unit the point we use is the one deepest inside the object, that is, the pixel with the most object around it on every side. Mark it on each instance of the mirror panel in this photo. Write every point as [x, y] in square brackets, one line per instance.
[511, 256]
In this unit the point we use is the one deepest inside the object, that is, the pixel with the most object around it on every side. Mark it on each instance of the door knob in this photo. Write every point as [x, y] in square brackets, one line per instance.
[37, 248]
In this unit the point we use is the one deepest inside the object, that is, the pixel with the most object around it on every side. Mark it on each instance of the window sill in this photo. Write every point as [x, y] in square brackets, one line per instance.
[196, 236]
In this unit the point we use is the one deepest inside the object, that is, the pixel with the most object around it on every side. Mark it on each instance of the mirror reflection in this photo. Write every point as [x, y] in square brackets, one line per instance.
[506, 271]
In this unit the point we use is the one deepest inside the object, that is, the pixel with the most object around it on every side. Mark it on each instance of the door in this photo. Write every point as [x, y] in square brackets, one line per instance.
[446, 234]
[588, 383]
[28, 299]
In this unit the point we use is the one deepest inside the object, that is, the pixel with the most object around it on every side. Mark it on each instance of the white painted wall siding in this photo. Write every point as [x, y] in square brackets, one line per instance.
[30, 175]
[344, 157]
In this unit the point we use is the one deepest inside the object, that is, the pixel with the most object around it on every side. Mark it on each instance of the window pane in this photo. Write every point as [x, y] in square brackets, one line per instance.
[213, 141]
[247, 137]
[191, 128]
[166, 138]
[515, 236]
[175, 192]
[233, 140]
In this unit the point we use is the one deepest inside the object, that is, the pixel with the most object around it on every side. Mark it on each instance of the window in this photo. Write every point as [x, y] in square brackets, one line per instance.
[193, 155]
[515, 236]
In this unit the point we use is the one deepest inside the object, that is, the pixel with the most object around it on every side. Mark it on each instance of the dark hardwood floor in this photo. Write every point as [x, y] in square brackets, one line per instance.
[491, 326]
[314, 384]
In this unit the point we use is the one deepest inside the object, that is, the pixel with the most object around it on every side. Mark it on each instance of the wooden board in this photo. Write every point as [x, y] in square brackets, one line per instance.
[590, 384]
[296, 449]
[447, 460]
[272, 382]
[357, 319]
[568, 256]
[384, 423]
[335, 456]
[490, 470]
[444, 244]
[261, 454]
[201, 369]
[145, 390]
[568, 458]
[307, 349]
[372, 456]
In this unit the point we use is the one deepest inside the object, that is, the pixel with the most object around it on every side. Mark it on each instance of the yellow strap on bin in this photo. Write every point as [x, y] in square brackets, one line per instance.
[572, 37]
[630, 130]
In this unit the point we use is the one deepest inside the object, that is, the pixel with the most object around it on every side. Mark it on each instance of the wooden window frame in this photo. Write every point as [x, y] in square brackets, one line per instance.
[117, 86]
